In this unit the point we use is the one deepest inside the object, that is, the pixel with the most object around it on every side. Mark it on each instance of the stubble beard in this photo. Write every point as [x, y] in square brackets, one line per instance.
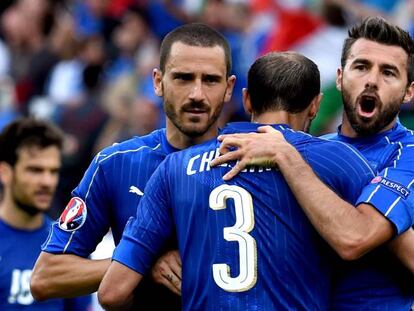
[192, 131]
[384, 116]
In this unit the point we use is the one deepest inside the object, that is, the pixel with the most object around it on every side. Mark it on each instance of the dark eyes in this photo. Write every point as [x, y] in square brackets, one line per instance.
[385, 72]
[360, 67]
[211, 79]
[183, 77]
[190, 77]
[389, 73]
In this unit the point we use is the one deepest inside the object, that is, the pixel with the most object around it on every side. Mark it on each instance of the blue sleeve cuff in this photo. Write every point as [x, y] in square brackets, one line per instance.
[393, 206]
[132, 254]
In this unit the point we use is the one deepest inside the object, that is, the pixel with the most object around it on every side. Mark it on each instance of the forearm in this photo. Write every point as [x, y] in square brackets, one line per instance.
[116, 291]
[350, 231]
[403, 248]
[66, 276]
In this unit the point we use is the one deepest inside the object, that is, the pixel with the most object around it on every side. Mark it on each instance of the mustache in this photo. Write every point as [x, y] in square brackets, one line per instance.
[198, 105]
[370, 91]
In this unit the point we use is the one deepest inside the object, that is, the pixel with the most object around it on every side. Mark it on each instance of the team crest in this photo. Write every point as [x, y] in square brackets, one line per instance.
[74, 215]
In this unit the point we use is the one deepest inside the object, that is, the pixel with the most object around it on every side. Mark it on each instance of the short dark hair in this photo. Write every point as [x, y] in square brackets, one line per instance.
[381, 31]
[283, 81]
[195, 34]
[27, 132]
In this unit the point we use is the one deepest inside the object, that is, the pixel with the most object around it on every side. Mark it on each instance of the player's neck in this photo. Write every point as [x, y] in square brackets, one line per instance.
[17, 218]
[295, 121]
[180, 140]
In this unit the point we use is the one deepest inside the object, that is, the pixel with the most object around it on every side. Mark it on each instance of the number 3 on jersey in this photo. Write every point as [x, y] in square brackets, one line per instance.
[240, 233]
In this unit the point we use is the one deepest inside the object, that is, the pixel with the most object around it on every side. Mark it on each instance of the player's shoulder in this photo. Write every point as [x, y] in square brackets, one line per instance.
[399, 134]
[335, 148]
[136, 146]
[407, 137]
[309, 142]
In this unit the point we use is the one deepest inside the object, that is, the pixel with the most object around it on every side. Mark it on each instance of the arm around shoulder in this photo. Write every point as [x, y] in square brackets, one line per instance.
[66, 276]
[350, 231]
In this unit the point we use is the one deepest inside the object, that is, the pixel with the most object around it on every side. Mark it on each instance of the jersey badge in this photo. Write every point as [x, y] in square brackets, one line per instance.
[392, 185]
[74, 215]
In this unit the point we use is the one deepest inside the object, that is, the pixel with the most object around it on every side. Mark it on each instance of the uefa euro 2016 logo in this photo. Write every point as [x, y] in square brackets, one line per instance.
[74, 215]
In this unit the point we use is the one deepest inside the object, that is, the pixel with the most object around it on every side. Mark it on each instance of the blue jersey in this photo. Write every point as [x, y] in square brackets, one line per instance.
[378, 281]
[107, 196]
[19, 250]
[245, 244]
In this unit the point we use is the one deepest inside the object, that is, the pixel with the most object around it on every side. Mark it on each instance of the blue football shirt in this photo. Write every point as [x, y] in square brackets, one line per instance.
[109, 193]
[245, 244]
[106, 197]
[19, 250]
[378, 281]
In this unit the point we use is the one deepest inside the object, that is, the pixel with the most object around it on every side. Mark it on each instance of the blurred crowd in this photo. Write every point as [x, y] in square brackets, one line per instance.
[86, 65]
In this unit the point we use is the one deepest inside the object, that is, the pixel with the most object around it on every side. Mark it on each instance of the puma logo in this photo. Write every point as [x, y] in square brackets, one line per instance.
[135, 190]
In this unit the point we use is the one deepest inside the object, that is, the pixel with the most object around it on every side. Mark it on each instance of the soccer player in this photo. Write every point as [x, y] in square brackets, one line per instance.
[30, 153]
[245, 244]
[376, 77]
[194, 80]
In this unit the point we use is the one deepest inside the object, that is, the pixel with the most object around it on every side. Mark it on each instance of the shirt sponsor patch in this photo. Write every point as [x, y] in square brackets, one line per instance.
[392, 185]
[74, 215]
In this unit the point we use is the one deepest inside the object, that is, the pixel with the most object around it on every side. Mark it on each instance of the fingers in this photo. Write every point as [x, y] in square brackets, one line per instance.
[167, 271]
[267, 129]
[270, 130]
[234, 171]
[225, 158]
[169, 279]
[176, 266]
[173, 283]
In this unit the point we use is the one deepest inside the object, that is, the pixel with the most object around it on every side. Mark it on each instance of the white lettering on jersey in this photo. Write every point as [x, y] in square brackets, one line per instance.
[201, 163]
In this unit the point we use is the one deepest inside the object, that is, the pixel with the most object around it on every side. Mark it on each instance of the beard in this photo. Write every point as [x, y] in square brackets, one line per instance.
[366, 127]
[195, 129]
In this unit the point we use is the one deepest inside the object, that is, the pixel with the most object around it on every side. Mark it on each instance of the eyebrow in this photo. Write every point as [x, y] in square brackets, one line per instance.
[382, 66]
[182, 73]
[192, 74]
[367, 62]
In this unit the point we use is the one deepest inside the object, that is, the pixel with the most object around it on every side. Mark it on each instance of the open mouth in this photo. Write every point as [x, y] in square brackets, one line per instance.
[367, 106]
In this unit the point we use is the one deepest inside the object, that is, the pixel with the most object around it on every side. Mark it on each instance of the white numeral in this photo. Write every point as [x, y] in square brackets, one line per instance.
[239, 232]
[20, 287]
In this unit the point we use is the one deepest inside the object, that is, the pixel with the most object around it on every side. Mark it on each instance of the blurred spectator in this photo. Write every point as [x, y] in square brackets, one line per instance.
[29, 172]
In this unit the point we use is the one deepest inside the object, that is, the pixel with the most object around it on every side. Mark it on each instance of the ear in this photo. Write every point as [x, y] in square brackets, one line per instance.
[157, 82]
[246, 101]
[314, 106]
[6, 173]
[230, 86]
[339, 79]
[409, 93]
